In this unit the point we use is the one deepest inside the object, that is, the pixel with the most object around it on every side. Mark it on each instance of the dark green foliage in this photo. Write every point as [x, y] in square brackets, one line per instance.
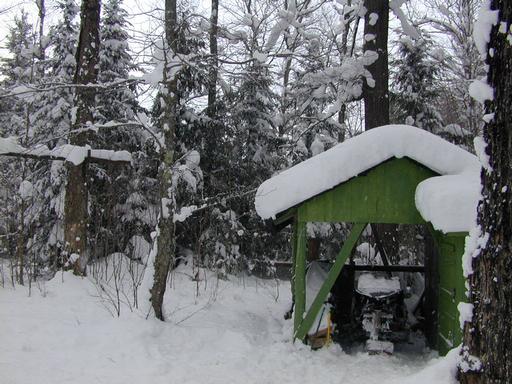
[122, 199]
[415, 91]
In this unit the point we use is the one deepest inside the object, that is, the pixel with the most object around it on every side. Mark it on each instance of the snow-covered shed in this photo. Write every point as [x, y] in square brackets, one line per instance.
[395, 174]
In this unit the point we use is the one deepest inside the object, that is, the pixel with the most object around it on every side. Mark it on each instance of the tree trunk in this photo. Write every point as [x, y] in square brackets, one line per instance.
[344, 50]
[489, 335]
[313, 249]
[41, 7]
[20, 244]
[291, 46]
[212, 80]
[168, 121]
[75, 206]
[376, 99]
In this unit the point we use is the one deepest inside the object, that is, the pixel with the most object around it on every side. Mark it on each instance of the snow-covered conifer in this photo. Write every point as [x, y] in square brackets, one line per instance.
[416, 85]
[116, 62]
[54, 116]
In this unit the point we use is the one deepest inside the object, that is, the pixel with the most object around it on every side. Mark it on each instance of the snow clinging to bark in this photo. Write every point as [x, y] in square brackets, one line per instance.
[482, 29]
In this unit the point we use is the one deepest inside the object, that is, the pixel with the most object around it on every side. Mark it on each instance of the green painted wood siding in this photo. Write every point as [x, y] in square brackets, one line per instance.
[384, 194]
[451, 289]
[299, 276]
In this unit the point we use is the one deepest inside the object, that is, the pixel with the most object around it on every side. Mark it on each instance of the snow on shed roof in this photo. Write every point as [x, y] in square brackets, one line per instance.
[360, 153]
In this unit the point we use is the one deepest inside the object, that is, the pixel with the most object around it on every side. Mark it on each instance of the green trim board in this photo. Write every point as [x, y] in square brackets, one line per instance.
[299, 277]
[451, 289]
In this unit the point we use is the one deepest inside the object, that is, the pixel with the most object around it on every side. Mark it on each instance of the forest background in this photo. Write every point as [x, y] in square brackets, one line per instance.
[260, 85]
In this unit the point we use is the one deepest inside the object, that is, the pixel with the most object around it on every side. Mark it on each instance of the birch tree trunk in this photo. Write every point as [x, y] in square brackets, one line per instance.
[488, 337]
[75, 206]
[168, 121]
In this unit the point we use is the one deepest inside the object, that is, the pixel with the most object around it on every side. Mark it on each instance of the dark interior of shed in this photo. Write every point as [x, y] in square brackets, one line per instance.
[413, 262]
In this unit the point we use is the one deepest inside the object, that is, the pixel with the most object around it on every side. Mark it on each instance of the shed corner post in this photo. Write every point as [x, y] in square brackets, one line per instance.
[299, 276]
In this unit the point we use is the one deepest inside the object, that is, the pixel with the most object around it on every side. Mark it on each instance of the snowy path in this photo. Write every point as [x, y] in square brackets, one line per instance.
[230, 334]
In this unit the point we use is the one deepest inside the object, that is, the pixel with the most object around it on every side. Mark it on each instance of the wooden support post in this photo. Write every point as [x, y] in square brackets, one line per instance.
[289, 314]
[302, 330]
[431, 292]
[299, 275]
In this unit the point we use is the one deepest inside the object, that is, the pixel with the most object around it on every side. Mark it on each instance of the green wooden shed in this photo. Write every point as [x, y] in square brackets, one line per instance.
[394, 174]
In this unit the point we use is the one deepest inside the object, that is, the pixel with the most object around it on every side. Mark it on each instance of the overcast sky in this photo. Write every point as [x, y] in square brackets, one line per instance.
[141, 21]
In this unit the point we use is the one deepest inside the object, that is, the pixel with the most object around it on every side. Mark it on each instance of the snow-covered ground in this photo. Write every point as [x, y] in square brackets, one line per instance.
[219, 331]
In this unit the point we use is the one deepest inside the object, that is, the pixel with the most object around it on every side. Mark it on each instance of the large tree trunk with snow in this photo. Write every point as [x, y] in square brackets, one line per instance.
[488, 336]
[168, 121]
[75, 207]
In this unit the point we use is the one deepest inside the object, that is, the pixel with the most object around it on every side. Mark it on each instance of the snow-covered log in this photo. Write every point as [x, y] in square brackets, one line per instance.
[74, 154]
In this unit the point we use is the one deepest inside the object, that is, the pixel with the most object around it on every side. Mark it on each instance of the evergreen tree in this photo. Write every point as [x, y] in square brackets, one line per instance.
[115, 65]
[20, 71]
[255, 157]
[253, 112]
[63, 39]
[17, 72]
[119, 192]
[52, 121]
[56, 111]
[416, 89]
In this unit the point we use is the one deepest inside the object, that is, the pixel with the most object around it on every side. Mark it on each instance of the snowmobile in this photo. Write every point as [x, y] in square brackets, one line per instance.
[383, 315]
